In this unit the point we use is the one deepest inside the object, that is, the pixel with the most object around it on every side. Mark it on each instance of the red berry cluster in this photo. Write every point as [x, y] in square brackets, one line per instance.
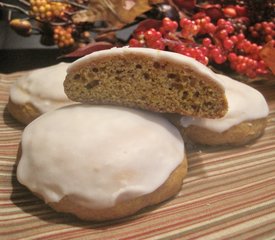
[263, 31]
[167, 37]
[205, 41]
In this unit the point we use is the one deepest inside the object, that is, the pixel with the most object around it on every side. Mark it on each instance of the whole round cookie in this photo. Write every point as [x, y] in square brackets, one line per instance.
[149, 79]
[37, 92]
[245, 120]
[99, 162]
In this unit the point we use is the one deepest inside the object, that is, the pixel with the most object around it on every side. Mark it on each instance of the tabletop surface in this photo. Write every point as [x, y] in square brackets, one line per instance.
[229, 193]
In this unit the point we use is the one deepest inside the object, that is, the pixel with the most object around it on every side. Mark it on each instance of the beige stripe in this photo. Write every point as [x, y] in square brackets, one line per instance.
[251, 223]
[244, 226]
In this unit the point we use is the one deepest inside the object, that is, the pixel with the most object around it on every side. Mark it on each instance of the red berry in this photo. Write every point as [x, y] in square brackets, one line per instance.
[229, 28]
[268, 38]
[207, 19]
[204, 50]
[180, 49]
[268, 30]
[243, 67]
[185, 22]
[139, 35]
[247, 46]
[206, 42]
[221, 22]
[158, 44]
[215, 52]
[265, 24]
[210, 28]
[261, 64]
[241, 10]
[222, 34]
[148, 34]
[240, 37]
[204, 60]
[254, 34]
[234, 39]
[230, 12]
[169, 25]
[134, 43]
[220, 59]
[232, 57]
[152, 35]
[187, 54]
[189, 28]
[228, 44]
[199, 15]
[258, 26]
[251, 74]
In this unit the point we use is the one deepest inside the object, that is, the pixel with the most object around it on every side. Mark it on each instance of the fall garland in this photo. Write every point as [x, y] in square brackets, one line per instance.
[232, 36]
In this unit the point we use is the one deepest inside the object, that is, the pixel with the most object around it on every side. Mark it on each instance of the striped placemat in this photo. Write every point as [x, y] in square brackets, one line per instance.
[229, 193]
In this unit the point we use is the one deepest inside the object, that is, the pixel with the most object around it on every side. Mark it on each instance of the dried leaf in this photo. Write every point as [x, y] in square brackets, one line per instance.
[185, 4]
[147, 24]
[268, 55]
[97, 11]
[89, 48]
[213, 11]
[157, 1]
[128, 10]
[116, 12]
[106, 37]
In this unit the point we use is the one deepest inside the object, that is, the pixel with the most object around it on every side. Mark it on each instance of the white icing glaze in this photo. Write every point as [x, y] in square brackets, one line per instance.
[156, 54]
[244, 103]
[100, 155]
[42, 87]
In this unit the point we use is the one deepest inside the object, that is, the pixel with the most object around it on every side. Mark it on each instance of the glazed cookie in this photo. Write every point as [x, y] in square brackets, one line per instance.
[99, 162]
[245, 120]
[39, 91]
[149, 79]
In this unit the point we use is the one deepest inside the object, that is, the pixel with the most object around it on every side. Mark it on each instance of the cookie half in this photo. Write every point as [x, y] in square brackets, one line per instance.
[149, 79]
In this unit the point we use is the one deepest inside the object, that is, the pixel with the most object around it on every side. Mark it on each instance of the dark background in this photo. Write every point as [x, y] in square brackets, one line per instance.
[19, 53]
[22, 53]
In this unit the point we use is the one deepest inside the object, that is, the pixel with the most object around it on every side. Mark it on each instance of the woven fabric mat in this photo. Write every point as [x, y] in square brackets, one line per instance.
[229, 193]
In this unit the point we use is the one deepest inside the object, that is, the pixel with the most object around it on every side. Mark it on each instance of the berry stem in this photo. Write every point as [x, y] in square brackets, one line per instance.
[24, 2]
[11, 6]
